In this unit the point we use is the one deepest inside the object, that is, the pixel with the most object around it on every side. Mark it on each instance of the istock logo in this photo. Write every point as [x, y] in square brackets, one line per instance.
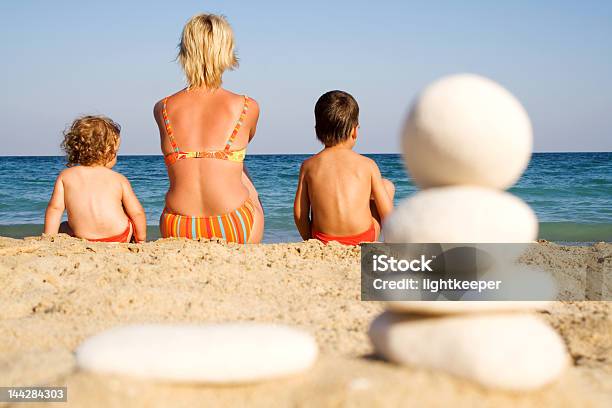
[385, 263]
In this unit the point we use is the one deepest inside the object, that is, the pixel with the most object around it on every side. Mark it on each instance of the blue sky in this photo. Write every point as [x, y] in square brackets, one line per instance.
[65, 58]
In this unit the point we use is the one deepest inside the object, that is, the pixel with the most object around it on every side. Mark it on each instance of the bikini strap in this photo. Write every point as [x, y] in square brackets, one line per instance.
[169, 131]
[245, 109]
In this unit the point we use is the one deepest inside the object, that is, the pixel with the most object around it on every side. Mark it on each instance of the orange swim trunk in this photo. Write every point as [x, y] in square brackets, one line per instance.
[367, 236]
[232, 227]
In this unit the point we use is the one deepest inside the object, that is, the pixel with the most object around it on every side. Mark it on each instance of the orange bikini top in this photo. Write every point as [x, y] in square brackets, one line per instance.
[225, 154]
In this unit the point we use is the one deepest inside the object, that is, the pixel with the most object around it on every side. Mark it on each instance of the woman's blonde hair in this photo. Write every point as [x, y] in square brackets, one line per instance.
[206, 50]
[91, 140]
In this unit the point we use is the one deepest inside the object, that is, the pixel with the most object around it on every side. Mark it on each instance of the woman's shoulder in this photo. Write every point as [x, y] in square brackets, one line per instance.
[239, 97]
[243, 99]
[252, 102]
[157, 108]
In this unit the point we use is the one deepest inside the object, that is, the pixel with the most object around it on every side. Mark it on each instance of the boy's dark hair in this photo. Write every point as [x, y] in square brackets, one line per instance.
[336, 114]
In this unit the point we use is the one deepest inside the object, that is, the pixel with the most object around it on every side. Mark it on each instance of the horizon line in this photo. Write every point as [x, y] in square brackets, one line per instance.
[290, 154]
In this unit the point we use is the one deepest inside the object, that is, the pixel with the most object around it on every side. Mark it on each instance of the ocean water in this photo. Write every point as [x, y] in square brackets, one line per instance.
[570, 192]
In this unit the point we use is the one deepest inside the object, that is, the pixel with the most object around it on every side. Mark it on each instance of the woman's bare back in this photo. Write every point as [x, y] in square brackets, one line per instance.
[203, 120]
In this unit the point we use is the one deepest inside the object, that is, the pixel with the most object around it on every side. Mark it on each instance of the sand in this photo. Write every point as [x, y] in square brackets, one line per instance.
[57, 291]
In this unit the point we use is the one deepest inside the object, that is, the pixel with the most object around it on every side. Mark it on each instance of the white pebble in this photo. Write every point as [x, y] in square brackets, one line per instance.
[507, 351]
[211, 353]
[467, 129]
[461, 214]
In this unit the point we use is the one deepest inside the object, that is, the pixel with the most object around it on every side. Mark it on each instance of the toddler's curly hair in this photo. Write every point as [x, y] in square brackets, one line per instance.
[91, 140]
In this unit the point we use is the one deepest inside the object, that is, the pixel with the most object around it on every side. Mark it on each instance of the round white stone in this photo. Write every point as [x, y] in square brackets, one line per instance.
[212, 353]
[508, 351]
[461, 214]
[467, 129]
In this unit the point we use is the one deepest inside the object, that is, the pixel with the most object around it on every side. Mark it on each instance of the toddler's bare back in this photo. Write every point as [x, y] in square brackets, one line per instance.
[93, 199]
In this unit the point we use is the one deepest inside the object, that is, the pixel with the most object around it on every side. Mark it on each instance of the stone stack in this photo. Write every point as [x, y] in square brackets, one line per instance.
[466, 140]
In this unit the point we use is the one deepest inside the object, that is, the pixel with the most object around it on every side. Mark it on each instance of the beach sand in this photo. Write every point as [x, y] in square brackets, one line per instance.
[58, 291]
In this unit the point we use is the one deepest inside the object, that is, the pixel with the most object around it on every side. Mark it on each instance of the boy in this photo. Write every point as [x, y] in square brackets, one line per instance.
[100, 203]
[341, 195]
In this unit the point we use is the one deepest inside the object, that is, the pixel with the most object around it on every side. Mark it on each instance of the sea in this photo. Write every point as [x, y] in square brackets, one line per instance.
[571, 193]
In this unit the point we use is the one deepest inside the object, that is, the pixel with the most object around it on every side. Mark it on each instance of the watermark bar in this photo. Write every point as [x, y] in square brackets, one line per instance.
[473, 272]
[33, 394]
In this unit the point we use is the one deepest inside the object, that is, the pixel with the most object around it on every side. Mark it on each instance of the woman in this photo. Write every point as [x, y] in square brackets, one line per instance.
[204, 131]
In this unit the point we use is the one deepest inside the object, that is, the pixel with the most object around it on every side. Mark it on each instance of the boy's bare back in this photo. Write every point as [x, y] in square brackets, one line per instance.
[339, 186]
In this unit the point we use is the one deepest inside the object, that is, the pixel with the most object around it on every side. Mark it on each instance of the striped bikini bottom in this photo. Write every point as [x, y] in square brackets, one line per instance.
[232, 227]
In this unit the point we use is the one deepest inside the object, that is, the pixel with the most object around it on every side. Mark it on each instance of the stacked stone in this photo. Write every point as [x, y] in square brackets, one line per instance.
[466, 140]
